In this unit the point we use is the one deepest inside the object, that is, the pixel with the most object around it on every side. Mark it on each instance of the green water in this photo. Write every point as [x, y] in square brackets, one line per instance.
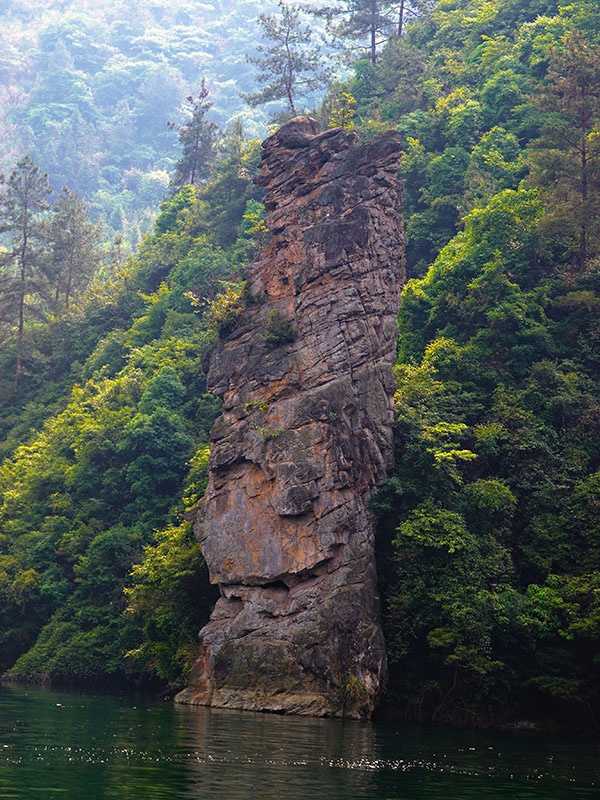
[76, 746]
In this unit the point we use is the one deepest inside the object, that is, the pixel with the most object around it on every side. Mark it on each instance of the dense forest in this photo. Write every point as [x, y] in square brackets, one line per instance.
[88, 88]
[489, 527]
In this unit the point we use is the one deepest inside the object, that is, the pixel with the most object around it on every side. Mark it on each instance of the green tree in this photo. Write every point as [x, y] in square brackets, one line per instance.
[75, 248]
[171, 596]
[343, 111]
[290, 65]
[231, 185]
[358, 20]
[198, 138]
[566, 158]
[23, 282]
[409, 10]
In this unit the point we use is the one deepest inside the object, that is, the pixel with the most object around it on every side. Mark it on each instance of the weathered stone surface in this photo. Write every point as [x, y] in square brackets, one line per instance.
[305, 437]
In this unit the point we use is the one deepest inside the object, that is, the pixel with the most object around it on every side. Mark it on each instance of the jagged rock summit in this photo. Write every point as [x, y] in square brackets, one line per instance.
[305, 436]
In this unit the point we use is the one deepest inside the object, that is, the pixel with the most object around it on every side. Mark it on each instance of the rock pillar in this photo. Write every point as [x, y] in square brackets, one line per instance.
[305, 436]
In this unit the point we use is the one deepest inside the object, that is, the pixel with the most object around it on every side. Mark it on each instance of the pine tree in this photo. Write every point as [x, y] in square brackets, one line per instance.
[401, 17]
[23, 283]
[409, 10]
[290, 65]
[198, 137]
[360, 20]
[74, 245]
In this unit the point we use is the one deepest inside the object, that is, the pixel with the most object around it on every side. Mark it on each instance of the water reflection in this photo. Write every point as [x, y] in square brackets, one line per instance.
[277, 756]
[95, 747]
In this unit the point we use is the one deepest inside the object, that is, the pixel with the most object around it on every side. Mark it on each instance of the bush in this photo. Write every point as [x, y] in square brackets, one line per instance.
[278, 330]
[227, 310]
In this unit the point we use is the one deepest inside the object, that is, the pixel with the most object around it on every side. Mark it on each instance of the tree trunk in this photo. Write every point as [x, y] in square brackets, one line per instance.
[290, 97]
[373, 43]
[195, 157]
[584, 198]
[288, 74]
[69, 279]
[19, 365]
[401, 19]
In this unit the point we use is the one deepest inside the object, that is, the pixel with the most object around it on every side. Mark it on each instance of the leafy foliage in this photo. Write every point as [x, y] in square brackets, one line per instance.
[278, 330]
[97, 488]
[497, 457]
[226, 311]
[171, 595]
[567, 155]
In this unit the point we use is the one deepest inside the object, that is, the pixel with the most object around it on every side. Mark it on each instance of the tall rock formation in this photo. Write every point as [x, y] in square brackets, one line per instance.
[305, 436]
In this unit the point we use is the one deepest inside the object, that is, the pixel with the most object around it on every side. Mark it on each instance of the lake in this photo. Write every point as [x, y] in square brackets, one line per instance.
[83, 746]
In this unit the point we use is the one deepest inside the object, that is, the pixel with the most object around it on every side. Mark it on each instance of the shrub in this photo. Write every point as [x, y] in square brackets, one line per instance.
[278, 330]
[226, 311]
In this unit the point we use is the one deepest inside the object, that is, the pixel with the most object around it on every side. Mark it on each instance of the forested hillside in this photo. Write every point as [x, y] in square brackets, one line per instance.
[105, 477]
[88, 89]
[491, 518]
[489, 533]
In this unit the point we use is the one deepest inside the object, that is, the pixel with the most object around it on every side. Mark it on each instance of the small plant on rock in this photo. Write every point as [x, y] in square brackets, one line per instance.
[278, 330]
[226, 311]
[354, 692]
[343, 111]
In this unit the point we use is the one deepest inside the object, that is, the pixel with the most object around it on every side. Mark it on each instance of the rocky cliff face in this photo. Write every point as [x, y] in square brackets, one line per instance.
[305, 437]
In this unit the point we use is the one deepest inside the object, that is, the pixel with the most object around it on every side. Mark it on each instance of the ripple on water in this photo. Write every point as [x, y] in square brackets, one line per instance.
[99, 747]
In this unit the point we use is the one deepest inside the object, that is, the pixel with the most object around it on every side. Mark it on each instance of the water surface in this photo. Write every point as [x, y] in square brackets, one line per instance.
[79, 746]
